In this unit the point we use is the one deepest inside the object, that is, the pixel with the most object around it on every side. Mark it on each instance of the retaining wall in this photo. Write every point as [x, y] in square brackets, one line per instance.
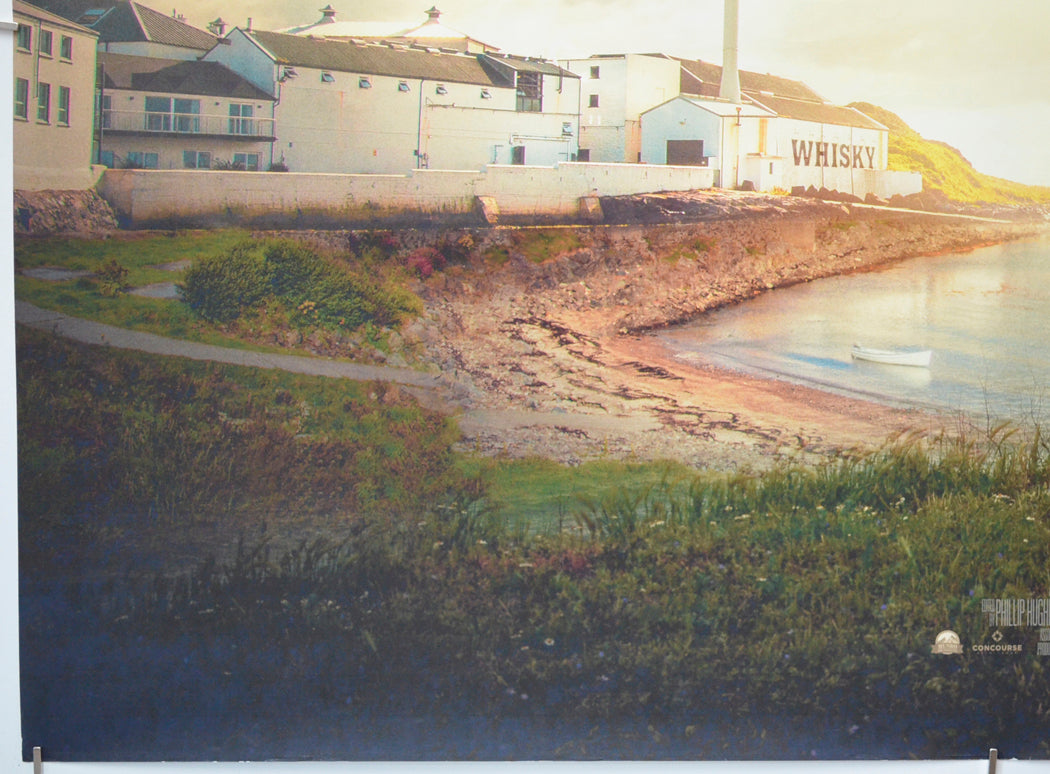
[203, 198]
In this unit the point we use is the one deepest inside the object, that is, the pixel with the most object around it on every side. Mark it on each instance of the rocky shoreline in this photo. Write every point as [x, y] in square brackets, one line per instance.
[555, 358]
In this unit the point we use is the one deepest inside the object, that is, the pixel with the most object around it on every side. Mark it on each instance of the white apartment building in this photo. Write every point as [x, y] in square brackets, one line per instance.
[175, 114]
[351, 107]
[54, 95]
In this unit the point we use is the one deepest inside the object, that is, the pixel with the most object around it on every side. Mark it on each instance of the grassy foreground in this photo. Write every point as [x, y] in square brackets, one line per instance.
[687, 615]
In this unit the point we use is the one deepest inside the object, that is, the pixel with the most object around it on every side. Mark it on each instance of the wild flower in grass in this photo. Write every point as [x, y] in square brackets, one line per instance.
[549, 642]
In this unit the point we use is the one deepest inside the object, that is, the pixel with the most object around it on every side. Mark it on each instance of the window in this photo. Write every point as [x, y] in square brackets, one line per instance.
[158, 114]
[596, 72]
[164, 114]
[63, 106]
[241, 119]
[25, 37]
[141, 160]
[43, 103]
[22, 99]
[364, 83]
[247, 161]
[107, 107]
[592, 101]
[441, 89]
[402, 86]
[196, 159]
[327, 78]
[106, 158]
[530, 93]
[584, 154]
[66, 48]
[517, 154]
[46, 39]
[187, 115]
[566, 128]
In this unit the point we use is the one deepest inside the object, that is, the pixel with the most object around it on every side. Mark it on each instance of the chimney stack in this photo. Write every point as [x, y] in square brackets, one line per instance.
[730, 87]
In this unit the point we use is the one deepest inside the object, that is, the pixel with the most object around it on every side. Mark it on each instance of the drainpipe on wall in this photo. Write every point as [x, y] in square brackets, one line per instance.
[419, 126]
[101, 109]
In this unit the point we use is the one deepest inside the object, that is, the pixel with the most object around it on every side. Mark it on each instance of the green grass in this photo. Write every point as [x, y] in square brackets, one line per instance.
[137, 252]
[547, 496]
[539, 244]
[945, 169]
[377, 278]
[110, 432]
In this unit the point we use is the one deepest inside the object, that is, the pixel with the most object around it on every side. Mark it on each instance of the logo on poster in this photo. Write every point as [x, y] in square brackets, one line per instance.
[947, 643]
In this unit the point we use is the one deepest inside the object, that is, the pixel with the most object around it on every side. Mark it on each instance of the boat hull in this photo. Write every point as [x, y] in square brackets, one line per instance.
[914, 358]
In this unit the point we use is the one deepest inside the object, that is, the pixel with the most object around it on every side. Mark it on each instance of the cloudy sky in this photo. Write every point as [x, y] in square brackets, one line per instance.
[973, 74]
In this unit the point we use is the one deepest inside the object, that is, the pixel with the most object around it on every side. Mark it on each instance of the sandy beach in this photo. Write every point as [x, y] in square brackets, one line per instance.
[558, 358]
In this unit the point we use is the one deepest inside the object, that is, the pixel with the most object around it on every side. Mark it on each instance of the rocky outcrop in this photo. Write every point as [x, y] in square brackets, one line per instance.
[40, 213]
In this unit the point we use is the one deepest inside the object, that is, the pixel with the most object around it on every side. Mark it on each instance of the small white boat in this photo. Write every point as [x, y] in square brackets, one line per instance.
[904, 357]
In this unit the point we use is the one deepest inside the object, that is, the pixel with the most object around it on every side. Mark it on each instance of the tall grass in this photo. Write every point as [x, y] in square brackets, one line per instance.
[809, 592]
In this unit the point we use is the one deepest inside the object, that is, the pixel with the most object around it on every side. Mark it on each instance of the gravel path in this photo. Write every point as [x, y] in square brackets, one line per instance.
[89, 332]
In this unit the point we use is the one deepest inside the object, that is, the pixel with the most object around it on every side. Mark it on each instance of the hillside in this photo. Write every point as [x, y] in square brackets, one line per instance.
[945, 169]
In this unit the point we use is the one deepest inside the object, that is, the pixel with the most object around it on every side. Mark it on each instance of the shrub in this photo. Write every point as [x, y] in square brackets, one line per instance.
[112, 278]
[220, 287]
[425, 260]
[315, 289]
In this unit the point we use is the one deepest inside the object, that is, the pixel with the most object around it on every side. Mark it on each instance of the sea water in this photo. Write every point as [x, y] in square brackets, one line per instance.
[984, 314]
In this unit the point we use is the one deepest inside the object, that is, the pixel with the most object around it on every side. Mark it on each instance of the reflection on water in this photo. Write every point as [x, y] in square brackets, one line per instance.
[985, 315]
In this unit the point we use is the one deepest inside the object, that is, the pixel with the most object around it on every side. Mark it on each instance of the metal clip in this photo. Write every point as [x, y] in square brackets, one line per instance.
[993, 759]
[38, 765]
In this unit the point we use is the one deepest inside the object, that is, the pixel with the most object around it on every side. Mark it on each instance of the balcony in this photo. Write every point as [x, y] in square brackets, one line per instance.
[226, 127]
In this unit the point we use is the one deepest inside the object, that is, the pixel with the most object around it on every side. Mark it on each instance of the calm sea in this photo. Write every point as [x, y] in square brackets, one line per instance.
[984, 314]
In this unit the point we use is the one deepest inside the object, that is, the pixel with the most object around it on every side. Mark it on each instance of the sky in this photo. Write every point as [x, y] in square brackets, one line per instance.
[973, 74]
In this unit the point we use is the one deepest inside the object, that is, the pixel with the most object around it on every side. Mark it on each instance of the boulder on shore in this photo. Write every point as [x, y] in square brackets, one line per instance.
[38, 213]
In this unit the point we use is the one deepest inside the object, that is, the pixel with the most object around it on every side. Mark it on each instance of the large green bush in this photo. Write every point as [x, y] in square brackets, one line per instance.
[314, 288]
[220, 287]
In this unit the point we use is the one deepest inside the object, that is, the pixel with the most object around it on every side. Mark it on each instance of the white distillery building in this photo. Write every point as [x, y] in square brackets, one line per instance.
[54, 101]
[756, 130]
[352, 107]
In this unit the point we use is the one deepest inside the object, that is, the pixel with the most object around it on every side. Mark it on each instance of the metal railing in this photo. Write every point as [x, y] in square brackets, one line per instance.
[187, 123]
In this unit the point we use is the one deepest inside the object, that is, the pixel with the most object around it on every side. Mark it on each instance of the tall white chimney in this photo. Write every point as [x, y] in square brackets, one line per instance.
[730, 87]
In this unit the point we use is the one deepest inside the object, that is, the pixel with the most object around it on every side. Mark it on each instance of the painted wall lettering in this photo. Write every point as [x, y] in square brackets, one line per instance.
[824, 154]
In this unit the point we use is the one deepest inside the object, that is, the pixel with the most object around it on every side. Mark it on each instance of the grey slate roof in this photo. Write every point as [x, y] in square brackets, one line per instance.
[704, 78]
[173, 76]
[129, 21]
[371, 59]
[818, 112]
[523, 64]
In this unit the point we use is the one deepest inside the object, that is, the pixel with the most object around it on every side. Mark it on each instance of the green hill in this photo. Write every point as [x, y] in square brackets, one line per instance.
[945, 169]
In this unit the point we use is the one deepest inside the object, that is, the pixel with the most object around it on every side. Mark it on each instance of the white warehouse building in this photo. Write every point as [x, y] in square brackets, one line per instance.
[344, 106]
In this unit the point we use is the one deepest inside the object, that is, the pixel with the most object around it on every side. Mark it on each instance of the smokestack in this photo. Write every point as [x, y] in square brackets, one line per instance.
[730, 88]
